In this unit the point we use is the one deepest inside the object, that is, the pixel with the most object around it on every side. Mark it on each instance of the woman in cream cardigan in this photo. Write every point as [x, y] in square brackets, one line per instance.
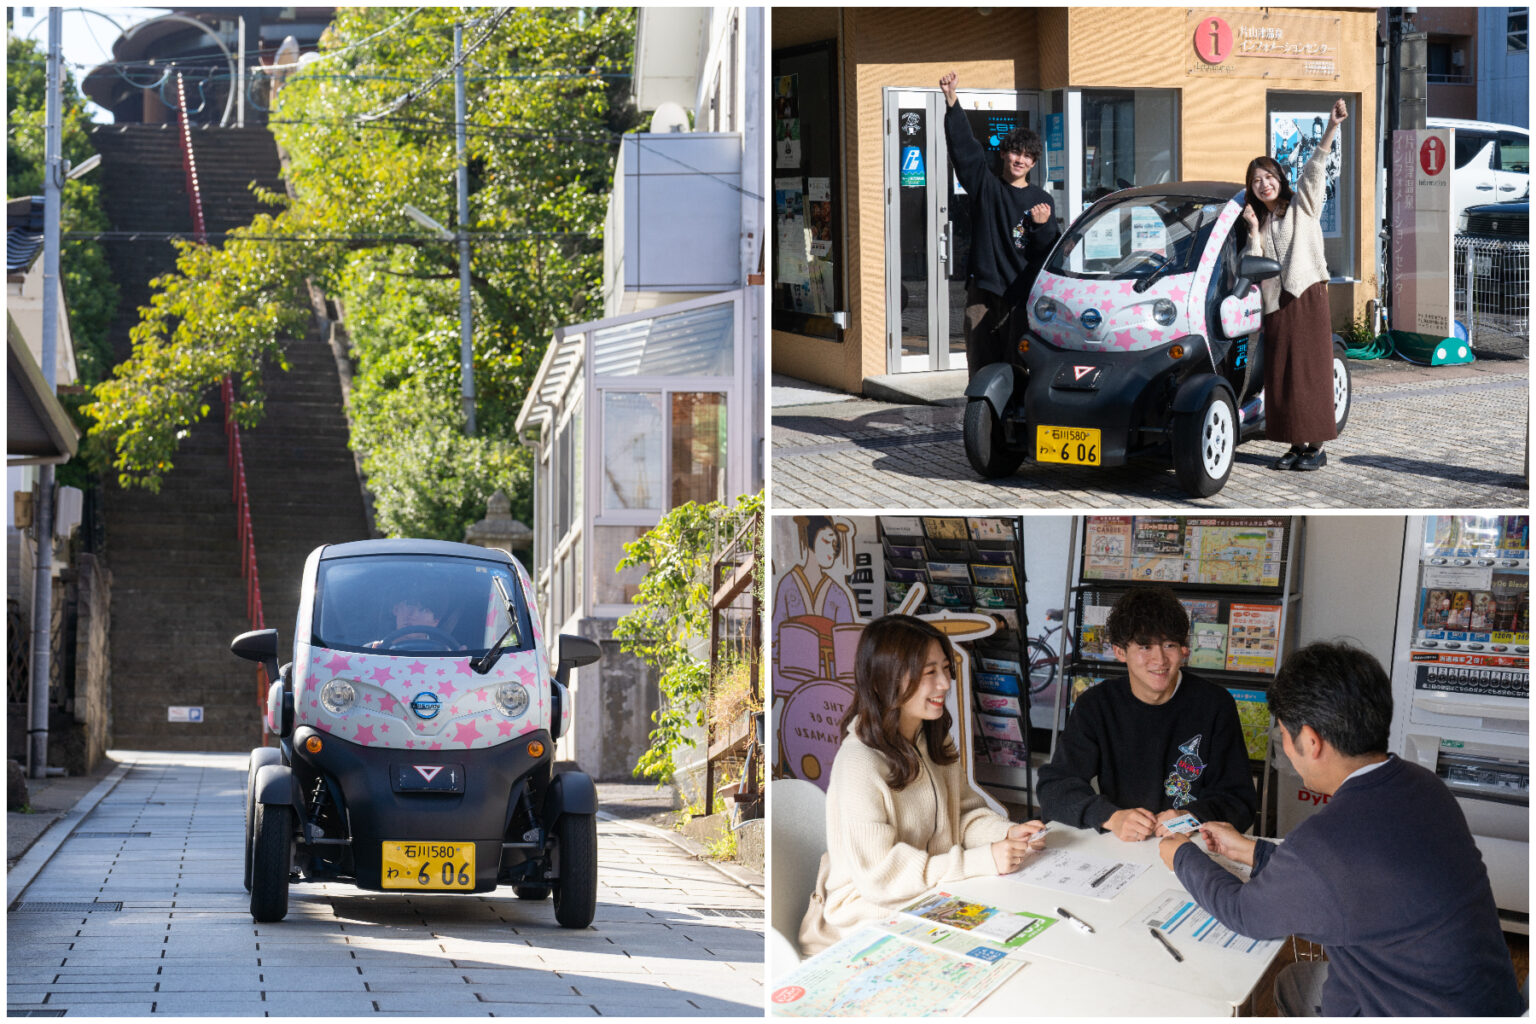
[1298, 333]
[900, 817]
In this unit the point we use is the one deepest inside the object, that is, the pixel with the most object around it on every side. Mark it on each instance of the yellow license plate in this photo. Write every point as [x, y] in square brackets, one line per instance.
[1073, 446]
[428, 866]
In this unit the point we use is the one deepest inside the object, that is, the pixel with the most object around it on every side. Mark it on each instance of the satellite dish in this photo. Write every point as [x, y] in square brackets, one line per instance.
[669, 117]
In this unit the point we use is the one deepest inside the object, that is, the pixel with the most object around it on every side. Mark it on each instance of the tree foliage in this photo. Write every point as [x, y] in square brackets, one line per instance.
[671, 616]
[546, 100]
[89, 290]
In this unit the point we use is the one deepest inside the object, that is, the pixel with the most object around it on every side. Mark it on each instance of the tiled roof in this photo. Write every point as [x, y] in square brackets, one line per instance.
[23, 233]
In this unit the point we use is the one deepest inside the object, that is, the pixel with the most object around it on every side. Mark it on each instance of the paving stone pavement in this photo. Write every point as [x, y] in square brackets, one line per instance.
[141, 912]
[1417, 437]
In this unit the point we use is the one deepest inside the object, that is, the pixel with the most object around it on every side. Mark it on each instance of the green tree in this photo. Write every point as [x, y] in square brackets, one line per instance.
[89, 290]
[367, 130]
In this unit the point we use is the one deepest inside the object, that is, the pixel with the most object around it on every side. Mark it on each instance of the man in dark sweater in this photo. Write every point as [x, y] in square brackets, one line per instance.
[1013, 226]
[1161, 742]
[1386, 875]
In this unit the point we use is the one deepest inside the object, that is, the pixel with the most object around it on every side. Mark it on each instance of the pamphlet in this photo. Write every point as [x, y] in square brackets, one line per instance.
[873, 973]
[1208, 645]
[1078, 873]
[1253, 638]
[1178, 916]
[1009, 928]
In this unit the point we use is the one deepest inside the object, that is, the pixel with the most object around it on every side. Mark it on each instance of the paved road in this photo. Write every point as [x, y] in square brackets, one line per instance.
[141, 912]
[1418, 437]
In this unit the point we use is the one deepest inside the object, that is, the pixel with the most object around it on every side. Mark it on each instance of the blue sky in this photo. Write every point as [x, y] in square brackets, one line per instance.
[87, 38]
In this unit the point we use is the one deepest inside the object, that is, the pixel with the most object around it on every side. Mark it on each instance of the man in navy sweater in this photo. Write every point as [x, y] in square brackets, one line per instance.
[1161, 742]
[1013, 226]
[1386, 876]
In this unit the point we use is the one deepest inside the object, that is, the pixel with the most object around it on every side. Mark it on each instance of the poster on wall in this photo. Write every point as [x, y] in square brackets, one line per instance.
[1293, 138]
[786, 121]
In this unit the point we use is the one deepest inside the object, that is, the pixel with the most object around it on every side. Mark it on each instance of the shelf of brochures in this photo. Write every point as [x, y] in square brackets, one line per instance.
[973, 568]
[1234, 576]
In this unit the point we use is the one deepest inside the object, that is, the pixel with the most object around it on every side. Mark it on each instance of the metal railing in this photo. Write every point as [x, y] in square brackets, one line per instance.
[1493, 293]
[240, 495]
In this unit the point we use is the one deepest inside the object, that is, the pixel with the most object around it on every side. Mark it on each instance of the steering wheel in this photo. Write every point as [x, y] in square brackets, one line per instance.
[1135, 259]
[429, 632]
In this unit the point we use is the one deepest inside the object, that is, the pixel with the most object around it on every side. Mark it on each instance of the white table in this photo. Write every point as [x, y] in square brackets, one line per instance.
[1119, 969]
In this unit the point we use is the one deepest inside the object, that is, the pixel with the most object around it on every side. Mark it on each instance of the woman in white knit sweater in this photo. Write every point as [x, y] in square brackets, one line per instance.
[900, 817]
[1298, 332]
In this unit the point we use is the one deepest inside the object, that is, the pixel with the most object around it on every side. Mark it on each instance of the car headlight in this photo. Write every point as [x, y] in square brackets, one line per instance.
[1045, 310]
[1164, 312]
[338, 696]
[511, 699]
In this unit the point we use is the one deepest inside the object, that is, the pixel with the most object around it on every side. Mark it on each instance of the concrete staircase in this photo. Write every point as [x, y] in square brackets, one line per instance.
[178, 597]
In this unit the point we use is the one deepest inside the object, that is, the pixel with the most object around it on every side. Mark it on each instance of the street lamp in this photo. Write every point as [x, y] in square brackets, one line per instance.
[466, 321]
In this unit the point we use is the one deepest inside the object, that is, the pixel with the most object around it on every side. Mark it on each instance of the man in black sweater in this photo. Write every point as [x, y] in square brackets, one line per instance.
[1013, 226]
[1161, 742]
[1386, 875]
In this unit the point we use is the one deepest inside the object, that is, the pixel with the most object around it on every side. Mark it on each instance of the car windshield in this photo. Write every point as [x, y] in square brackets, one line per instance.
[1137, 237]
[417, 604]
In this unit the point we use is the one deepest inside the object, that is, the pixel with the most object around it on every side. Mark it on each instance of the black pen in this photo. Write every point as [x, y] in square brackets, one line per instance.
[1095, 883]
[1160, 937]
[1075, 921]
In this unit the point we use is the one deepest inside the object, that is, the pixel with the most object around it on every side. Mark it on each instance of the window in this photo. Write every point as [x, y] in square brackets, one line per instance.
[808, 256]
[1469, 143]
[1515, 152]
[632, 447]
[698, 447]
[1519, 18]
[611, 586]
[1115, 154]
[1297, 123]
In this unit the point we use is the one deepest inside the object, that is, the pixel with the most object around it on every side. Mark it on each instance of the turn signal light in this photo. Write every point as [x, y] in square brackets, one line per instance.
[1023, 345]
[1176, 352]
[535, 749]
[313, 744]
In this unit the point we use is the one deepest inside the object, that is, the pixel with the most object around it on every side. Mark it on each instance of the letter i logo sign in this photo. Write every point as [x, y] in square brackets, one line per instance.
[1432, 156]
[1213, 40]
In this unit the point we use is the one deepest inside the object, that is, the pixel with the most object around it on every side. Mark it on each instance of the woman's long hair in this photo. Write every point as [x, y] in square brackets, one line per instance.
[1282, 202]
[893, 651]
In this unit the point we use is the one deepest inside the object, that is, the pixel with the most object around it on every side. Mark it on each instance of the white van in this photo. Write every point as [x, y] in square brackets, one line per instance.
[1493, 163]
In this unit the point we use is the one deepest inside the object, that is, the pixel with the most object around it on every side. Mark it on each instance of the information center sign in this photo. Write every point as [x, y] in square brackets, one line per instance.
[1421, 231]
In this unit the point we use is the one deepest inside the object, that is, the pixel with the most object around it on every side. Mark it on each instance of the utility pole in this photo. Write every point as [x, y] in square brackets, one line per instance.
[466, 322]
[42, 590]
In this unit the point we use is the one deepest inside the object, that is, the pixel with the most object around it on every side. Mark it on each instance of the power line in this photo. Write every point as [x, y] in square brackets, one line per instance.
[441, 75]
[230, 236]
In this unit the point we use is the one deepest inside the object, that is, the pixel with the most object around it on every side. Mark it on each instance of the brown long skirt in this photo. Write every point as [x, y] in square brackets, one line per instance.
[1298, 369]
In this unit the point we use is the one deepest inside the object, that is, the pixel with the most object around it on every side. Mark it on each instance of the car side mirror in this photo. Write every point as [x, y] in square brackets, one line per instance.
[260, 646]
[1251, 269]
[575, 651]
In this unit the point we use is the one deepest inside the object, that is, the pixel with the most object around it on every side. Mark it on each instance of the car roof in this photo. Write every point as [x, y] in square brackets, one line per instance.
[1487, 126]
[408, 546]
[1223, 190]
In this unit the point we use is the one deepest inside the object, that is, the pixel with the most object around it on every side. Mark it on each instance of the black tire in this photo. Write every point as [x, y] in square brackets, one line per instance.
[1041, 666]
[271, 861]
[1205, 445]
[1343, 388]
[576, 851]
[259, 756]
[531, 892]
[984, 444]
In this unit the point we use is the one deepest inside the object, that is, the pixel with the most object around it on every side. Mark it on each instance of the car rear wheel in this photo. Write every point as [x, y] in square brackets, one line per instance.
[984, 444]
[576, 850]
[1204, 443]
[259, 756]
[1342, 390]
[271, 862]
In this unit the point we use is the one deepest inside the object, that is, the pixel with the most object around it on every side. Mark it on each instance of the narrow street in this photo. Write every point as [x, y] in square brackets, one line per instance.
[140, 911]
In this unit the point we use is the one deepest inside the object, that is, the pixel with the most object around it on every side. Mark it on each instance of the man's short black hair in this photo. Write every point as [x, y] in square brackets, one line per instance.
[1147, 615]
[1341, 691]
[1021, 140]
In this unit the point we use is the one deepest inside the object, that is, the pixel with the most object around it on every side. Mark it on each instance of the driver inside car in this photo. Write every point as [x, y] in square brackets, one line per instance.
[419, 610]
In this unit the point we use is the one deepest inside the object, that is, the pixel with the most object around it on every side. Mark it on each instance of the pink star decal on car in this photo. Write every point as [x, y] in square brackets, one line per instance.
[338, 662]
[382, 675]
[466, 733]
[462, 668]
[504, 729]
[526, 674]
[1177, 294]
[416, 668]
[480, 695]
[365, 735]
[446, 688]
[387, 703]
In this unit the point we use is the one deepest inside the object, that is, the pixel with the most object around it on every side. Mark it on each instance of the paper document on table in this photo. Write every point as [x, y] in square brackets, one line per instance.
[1178, 916]
[1007, 928]
[1078, 873]
[874, 974]
[946, 940]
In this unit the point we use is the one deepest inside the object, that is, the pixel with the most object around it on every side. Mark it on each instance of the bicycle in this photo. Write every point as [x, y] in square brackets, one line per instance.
[1043, 663]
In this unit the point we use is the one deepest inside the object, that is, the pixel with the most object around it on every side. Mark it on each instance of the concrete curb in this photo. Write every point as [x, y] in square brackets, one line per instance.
[688, 846]
[19, 877]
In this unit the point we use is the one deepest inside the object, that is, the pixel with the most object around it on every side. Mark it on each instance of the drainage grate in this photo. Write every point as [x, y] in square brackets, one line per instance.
[741, 912]
[65, 907]
[110, 835]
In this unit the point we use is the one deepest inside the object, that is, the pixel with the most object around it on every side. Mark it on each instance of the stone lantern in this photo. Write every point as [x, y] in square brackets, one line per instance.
[499, 530]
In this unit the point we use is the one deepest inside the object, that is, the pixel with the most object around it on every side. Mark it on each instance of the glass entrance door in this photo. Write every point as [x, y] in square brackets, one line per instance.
[928, 224]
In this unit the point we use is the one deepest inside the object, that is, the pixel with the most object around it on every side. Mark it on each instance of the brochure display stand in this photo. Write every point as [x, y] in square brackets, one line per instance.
[974, 569]
[1234, 577]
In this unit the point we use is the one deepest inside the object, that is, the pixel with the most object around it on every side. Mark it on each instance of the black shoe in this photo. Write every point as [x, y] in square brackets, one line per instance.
[1288, 460]
[1312, 458]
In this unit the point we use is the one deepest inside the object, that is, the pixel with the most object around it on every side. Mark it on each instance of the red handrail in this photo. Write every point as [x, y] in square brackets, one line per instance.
[244, 535]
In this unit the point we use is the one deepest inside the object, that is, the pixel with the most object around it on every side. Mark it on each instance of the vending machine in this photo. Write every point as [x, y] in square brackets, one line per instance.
[1461, 682]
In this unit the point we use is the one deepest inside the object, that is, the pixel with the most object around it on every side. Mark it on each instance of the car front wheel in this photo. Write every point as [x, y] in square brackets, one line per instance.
[984, 444]
[576, 853]
[1204, 443]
